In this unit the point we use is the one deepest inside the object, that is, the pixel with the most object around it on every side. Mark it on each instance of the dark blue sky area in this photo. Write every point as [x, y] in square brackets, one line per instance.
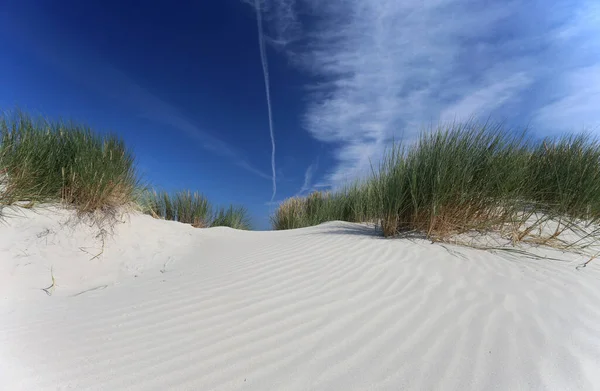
[183, 85]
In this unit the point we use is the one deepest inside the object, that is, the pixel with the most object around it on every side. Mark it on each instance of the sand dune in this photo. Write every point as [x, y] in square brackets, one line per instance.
[334, 307]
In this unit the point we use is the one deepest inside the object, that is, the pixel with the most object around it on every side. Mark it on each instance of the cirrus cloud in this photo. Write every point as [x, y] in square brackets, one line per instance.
[382, 68]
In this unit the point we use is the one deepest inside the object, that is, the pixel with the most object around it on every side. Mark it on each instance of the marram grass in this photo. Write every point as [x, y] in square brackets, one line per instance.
[44, 161]
[466, 177]
[193, 208]
[233, 217]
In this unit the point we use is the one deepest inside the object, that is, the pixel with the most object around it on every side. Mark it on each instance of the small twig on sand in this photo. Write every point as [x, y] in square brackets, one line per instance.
[50, 289]
[93, 256]
[585, 263]
[454, 253]
[101, 236]
[164, 268]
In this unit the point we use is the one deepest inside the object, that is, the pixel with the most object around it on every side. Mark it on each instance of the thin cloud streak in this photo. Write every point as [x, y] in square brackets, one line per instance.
[265, 67]
[387, 67]
[486, 99]
[580, 107]
[308, 177]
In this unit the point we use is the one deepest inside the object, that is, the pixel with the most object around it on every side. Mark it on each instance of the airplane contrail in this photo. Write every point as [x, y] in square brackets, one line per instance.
[265, 66]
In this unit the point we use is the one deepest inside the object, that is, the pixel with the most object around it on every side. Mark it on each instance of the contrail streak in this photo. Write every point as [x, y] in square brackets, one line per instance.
[265, 66]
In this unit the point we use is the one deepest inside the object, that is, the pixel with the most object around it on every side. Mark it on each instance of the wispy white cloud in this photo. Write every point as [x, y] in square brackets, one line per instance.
[575, 96]
[385, 67]
[284, 26]
[486, 99]
[307, 185]
[579, 106]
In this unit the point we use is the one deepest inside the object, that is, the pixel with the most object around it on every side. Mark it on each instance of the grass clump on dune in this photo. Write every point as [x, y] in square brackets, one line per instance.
[43, 161]
[456, 179]
[467, 177]
[182, 206]
[353, 203]
[297, 212]
[193, 208]
[233, 216]
[565, 176]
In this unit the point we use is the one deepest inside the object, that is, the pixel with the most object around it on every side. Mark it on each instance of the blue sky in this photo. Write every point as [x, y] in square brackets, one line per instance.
[185, 86]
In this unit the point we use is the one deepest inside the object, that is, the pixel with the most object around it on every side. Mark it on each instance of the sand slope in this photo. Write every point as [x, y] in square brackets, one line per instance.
[333, 307]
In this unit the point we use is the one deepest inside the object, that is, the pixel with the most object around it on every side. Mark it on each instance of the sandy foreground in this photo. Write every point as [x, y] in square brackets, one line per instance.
[334, 307]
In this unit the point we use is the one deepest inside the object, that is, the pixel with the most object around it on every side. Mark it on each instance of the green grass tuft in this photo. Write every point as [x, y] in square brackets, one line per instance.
[182, 206]
[44, 161]
[234, 217]
[194, 209]
[355, 203]
[466, 177]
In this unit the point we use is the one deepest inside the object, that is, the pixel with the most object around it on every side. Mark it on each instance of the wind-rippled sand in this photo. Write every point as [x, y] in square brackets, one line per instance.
[335, 307]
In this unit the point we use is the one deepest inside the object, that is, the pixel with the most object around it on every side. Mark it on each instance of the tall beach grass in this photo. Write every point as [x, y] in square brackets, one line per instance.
[51, 161]
[354, 203]
[467, 177]
[193, 208]
[233, 216]
[44, 161]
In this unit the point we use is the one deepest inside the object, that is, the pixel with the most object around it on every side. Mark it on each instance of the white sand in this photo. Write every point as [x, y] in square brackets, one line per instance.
[333, 307]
